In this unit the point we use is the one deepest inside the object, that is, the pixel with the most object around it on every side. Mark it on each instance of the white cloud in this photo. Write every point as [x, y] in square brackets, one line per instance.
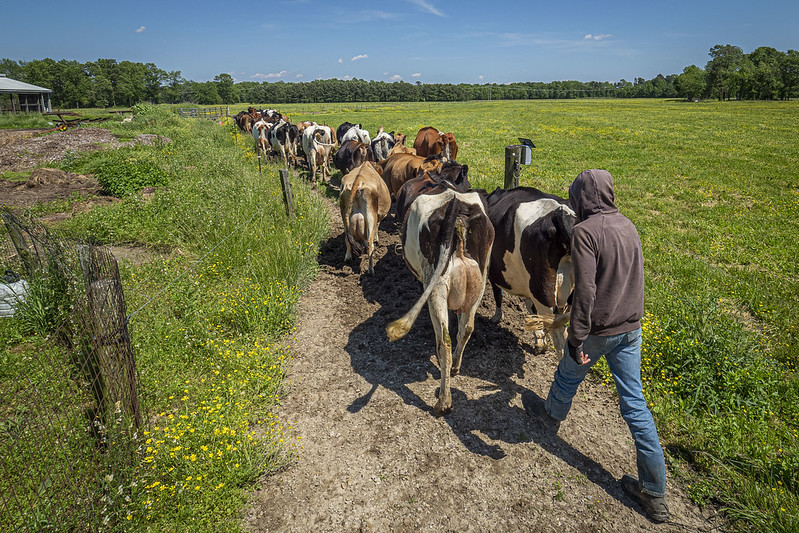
[348, 77]
[298, 76]
[599, 37]
[359, 57]
[141, 29]
[340, 60]
[428, 7]
[480, 77]
[416, 75]
[270, 75]
[395, 77]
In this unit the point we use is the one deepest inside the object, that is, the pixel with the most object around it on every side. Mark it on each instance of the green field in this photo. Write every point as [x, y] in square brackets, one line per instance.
[712, 187]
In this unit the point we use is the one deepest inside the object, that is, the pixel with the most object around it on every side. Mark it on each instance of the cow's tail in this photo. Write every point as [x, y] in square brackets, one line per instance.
[546, 322]
[400, 327]
[356, 246]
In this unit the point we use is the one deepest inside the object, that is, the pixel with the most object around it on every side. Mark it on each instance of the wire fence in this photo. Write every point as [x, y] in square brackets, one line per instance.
[211, 113]
[69, 407]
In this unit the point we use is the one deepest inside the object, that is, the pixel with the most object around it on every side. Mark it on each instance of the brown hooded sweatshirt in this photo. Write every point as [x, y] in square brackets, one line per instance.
[608, 264]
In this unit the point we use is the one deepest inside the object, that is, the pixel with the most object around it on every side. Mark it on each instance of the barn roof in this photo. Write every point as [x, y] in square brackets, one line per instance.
[7, 85]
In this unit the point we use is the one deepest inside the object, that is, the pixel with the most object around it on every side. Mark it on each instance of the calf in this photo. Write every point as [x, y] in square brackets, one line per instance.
[430, 141]
[446, 242]
[364, 201]
[399, 168]
[350, 155]
[532, 256]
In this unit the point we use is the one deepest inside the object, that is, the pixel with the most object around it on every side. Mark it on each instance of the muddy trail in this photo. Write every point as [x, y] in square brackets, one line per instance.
[374, 457]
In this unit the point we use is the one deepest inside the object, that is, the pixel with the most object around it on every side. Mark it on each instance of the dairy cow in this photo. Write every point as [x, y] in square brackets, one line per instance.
[446, 241]
[364, 201]
[531, 256]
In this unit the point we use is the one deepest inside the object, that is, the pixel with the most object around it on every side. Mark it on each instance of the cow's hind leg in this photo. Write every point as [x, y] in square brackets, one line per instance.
[465, 330]
[439, 315]
[497, 291]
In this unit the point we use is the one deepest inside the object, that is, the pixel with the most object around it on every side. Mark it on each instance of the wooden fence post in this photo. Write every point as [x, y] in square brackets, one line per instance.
[288, 198]
[111, 340]
[513, 156]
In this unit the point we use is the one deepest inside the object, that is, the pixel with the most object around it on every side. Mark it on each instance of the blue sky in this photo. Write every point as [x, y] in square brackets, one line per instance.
[432, 41]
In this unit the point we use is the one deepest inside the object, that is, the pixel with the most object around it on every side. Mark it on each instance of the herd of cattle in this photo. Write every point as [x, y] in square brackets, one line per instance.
[454, 238]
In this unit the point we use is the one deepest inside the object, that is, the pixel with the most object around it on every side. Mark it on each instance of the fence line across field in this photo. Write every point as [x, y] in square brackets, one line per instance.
[211, 113]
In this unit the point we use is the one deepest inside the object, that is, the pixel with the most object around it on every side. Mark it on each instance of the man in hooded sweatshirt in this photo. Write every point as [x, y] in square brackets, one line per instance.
[607, 306]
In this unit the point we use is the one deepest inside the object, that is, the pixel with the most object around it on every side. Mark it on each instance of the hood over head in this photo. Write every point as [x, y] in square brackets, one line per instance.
[592, 193]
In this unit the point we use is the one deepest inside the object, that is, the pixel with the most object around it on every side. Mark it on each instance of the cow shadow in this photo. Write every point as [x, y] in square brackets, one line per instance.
[412, 359]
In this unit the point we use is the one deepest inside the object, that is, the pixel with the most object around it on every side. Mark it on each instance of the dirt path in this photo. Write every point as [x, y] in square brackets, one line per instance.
[374, 456]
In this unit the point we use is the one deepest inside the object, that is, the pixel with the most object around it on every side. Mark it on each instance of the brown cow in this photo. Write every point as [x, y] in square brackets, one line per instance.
[399, 168]
[364, 201]
[430, 141]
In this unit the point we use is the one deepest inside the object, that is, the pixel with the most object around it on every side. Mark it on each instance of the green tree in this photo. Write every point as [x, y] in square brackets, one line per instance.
[691, 84]
[205, 93]
[130, 87]
[104, 74]
[767, 78]
[722, 79]
[153, 78]
[226, 89]
[789, 70]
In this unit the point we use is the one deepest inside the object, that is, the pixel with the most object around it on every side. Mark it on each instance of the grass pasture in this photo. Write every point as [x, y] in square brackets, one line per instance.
[712, 188]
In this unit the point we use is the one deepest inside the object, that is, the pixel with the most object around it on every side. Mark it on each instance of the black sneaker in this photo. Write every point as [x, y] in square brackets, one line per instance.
[654, 507]
[534, 407]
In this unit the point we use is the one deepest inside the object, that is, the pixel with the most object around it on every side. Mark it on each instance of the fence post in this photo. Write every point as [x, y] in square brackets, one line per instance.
[288, 199]
[111, 339]
[513, 156]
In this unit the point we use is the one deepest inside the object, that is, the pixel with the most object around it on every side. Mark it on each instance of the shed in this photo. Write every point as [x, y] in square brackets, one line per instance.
[24, 97]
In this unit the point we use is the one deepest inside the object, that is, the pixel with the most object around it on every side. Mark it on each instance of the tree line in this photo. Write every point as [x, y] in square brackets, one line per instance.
[764, 74]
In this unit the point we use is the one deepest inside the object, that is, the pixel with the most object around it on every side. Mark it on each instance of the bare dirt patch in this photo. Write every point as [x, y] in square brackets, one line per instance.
[374, 457]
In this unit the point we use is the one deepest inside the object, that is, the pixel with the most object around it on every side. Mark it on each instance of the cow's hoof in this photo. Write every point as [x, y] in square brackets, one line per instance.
[441, 410]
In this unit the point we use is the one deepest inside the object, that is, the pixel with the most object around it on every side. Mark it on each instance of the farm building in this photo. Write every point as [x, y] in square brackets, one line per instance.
[23, 97]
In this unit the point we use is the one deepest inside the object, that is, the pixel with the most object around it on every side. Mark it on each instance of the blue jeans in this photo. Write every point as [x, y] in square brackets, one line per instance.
[623, 354]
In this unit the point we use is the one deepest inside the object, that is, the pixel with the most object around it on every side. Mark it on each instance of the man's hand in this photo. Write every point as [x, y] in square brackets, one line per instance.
[577, 354]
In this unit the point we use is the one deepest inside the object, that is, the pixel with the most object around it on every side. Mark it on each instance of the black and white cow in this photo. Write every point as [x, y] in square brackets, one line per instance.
[531, 256]
[343, 128]
[283, 138]
[356, 133]
[382, 144]
[446, 240]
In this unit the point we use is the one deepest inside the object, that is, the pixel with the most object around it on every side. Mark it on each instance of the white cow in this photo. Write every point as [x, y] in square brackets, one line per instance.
[317, 143]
